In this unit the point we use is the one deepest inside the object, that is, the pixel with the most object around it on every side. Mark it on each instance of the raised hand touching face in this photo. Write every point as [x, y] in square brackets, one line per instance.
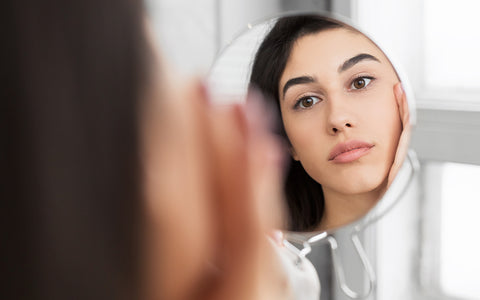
[211, 176]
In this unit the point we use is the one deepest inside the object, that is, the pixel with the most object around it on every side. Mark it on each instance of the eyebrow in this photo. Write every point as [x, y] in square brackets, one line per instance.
[297, 80]
[355, 60]
[345, 66]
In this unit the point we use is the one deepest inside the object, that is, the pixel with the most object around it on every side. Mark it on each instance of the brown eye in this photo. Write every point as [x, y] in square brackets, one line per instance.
[360, 83]
[307, 102]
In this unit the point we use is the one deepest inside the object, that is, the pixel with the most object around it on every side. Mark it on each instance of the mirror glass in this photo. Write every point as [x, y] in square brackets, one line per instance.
[344, 111]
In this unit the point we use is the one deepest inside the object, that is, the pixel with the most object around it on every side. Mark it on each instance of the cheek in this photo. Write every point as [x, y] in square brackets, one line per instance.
[310, 145]
[385, 119]
[382, 122]
[306, 133]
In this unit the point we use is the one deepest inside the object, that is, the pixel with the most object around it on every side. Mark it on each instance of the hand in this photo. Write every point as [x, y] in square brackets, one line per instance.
[248, 160]
[213, 177]
[404, 139]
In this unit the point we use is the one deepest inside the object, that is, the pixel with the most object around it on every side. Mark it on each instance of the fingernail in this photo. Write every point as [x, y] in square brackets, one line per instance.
[263, 112]
[277, 236]
[277, 155]
[402, 90]
[253, 111]
[242, 120]
[398, 90]
[202, 89]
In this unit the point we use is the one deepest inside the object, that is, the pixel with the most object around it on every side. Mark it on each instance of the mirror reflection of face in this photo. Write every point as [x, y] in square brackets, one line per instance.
[340, 114]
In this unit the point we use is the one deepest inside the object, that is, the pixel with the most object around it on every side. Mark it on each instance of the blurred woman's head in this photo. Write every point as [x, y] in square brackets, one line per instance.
[118, 183]
[73, 75]
[107, 162]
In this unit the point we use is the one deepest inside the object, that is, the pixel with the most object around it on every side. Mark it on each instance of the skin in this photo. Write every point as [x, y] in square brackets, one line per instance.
[209, 173]
[342, 101]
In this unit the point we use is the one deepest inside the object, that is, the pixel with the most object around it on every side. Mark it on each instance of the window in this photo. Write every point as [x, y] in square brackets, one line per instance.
[452, 44]
[437, 43]
[451, 247]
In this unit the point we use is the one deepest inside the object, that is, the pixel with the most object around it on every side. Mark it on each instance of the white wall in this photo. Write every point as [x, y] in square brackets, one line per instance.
[186, 32]
[191, 32]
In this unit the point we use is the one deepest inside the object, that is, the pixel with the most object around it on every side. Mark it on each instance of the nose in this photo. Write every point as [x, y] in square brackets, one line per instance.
[339, 116]
[340, 127]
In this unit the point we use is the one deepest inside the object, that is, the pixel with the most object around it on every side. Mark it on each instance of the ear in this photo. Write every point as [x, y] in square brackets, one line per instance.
[293, 153]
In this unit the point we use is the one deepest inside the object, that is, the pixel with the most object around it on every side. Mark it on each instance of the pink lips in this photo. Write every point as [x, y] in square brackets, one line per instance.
[349, 151]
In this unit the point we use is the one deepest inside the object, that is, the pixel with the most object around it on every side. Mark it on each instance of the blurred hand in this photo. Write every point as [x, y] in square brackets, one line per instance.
[213, 186]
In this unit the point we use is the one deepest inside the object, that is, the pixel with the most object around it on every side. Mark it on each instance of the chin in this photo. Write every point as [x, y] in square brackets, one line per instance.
[358, 184]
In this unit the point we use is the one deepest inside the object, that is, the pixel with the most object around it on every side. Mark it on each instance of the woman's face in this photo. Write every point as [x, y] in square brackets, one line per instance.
[339, 110]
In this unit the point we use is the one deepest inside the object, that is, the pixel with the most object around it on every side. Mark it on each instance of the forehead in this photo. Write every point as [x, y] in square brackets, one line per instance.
[327, 50]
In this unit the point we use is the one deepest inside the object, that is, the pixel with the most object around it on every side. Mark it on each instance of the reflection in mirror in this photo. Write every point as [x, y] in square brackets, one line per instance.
[343, 111]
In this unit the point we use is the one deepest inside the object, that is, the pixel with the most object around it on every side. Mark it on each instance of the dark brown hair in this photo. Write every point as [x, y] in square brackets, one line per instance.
[72, 74]
[304, 195]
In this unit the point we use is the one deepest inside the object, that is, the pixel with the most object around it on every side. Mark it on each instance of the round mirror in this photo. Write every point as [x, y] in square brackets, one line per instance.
[345, 111]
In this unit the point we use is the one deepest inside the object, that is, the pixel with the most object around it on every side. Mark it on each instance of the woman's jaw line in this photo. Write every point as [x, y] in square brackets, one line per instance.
[345, 208]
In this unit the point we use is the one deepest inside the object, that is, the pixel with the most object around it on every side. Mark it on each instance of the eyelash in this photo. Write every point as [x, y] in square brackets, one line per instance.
[299, 101]
[370, 78]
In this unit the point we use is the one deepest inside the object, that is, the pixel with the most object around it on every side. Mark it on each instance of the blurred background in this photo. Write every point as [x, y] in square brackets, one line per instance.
[427, 247]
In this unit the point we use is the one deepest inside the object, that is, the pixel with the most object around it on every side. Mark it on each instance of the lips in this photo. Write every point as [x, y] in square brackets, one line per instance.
[349, 151]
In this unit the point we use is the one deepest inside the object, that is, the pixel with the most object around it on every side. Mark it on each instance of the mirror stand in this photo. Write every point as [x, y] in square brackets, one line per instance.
[339, 270]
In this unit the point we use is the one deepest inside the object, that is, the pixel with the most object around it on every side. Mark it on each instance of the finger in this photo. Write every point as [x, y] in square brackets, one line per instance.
[404, 138]
[402, 104]
[237, 227]
[399, 96]
[277, 236]
[267, 158]
[176, 179]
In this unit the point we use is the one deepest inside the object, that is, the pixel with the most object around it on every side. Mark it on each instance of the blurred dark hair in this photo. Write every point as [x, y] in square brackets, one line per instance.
[72, 74]
[304, 195]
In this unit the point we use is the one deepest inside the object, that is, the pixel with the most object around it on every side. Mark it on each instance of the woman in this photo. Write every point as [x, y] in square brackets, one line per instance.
[111, 187]
[343, 111]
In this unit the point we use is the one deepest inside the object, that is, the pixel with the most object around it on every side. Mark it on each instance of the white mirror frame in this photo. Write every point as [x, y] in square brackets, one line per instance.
[301, 243]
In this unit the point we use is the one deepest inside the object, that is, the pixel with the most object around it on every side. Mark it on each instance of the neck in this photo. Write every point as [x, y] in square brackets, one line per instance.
[341, 209]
